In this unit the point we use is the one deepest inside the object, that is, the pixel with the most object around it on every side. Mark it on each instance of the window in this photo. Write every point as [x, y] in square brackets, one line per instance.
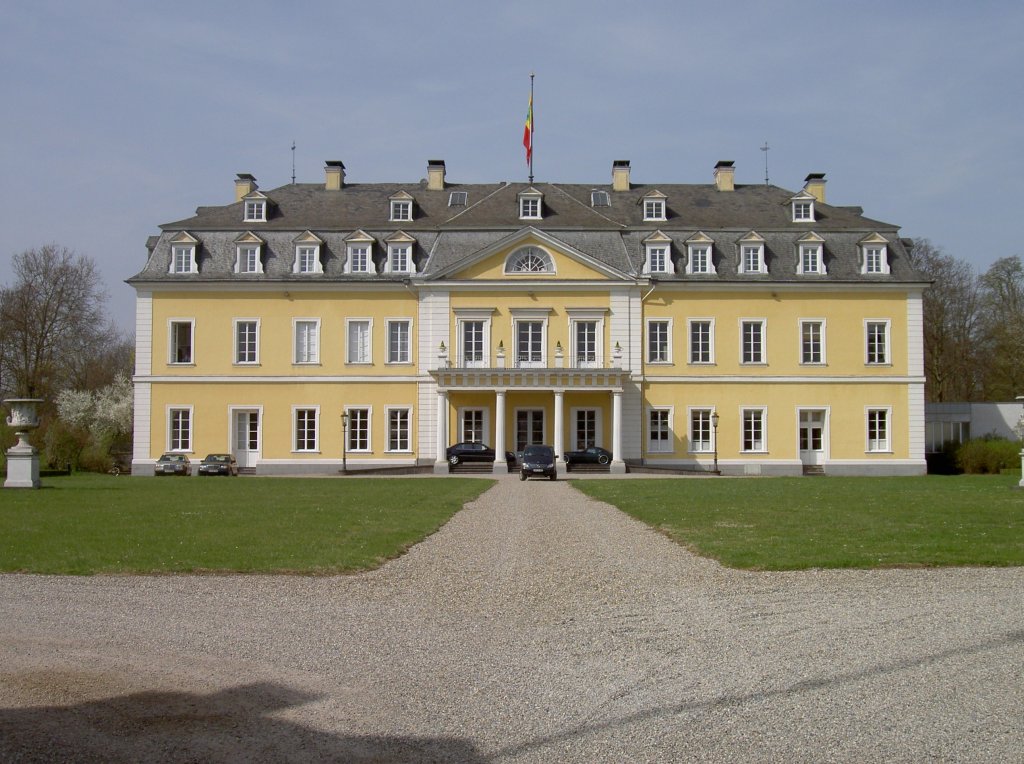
[659, 431]
[247, 341]
[399, 430]
[752, 258]
[529, 260]
[473, 348]
[812, 342]
[180, 342]
[183, 259]
[700, 259]
[752, 342]
[585, 428]
[401, 210]
[658, 260]
[654, 208]
[700, 430]
[307, 341]
[803, 211]
[458, 199]
[359, 259]
[398, 341]
[247, 259]
[400, 258]
[530, 206]
[179, 429]
[585, 344]
[810, 259]
[358, 429]
[472, 425]
[529, 343]
[599, 199]
[876, 259]
[659, 341]
[358, 331]
[307, 259]
[878, 430]
[753, 430]
[255, 211]
[702, 341]
[305, 429]
[877, 342]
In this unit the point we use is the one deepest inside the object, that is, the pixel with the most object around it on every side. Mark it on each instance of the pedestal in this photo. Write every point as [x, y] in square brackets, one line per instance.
[22, 468]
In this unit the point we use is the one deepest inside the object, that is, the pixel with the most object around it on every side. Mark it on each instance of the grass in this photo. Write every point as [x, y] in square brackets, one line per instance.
[800, 523]
[100, 524]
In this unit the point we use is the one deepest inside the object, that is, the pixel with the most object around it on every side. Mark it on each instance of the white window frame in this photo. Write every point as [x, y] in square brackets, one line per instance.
[183, 259]
[353, 354]
[531, 206]
[691, 254]
[692, 442]
[883, 259]
[485, 345]
[711, 341]
[887, 323]
[236, 347]
[243, 263]
[255, 211]
[295, 430]
[575, 322]
[803, 211]
[522, 253]
[876, 445]
[172, 445]
[352, 250]
[758, 252]
[350, 430]
[648, 356]
[762, 411]
[391, 448]
[395, 322]
[661, 445]
[654, 209]
[574, 413]
[172, 324]
[303, 249]
[810, 259]
[485, 424]
[530, 364]
[661, 250]
[394, 250]
[801, 347]
[763, 323]
[314, 352]
[401, 210]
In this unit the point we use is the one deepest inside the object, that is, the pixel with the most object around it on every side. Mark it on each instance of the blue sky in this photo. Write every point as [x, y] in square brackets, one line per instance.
[120, 116]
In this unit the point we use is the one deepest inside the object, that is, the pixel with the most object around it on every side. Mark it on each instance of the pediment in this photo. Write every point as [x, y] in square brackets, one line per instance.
[658, 237]
[531, 191]
[358, 236]
[401, 196]
[184, 237]
[811, 237]
[803, 196]
[307, 238]
[700, 238]
[873, 238]
[399, 237]
[255, 196]
[248, 238]
[655, 194]
[753, 237]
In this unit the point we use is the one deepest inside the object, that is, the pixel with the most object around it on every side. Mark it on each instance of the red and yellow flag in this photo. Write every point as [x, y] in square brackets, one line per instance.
[528, 132]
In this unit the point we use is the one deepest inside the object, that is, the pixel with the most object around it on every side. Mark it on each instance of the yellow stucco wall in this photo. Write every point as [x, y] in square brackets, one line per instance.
[493, 267]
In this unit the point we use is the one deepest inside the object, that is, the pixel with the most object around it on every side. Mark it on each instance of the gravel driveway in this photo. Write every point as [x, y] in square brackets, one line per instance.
[536, 626]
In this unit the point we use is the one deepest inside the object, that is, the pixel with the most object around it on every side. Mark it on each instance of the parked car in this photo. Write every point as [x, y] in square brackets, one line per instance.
[589, 455]
[173, 464]
[538, 461]
[473, 452]
[219, 464]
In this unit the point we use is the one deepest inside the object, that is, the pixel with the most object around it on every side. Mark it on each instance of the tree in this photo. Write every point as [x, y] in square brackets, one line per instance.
[951, 309]
[1002, 301]
[52, 322]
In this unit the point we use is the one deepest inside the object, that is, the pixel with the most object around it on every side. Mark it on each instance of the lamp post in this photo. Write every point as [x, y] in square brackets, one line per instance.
[344, 443]
[714, 424]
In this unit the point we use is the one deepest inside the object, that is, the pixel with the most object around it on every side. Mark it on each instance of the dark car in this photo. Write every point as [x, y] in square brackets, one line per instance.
[219, 464]
[537, 461]
[473, 452]
[589, 455]
[173, 464]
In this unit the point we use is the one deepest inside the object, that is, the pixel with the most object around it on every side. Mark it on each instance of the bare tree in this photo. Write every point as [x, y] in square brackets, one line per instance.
[1002, 301]
[52, 322]
[951, 325]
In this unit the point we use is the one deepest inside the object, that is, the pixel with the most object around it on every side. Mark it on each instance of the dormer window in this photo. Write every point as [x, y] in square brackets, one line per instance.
[248, 251]
[874, 255]
[255, 208]
[183, 254]
[599, 199]
[307, 253]
[401, 207]
[752, 254]
[530, 205]
[359, 248]
[458, 199]
[698, 249]
[658, 254]
[803, 207]
[529, 260]
[810, 255]
[654, 206]
[399, 258]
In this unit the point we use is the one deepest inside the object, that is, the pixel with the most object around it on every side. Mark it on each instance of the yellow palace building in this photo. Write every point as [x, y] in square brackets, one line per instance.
[678, 326]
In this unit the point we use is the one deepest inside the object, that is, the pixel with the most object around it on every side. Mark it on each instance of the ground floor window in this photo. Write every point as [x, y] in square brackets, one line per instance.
[659, 431]
[305, 429]
[471, 426]
[180, 429]
[358, 429]
[878, 430]
[700, 430]
[399, 430]
[753, 430]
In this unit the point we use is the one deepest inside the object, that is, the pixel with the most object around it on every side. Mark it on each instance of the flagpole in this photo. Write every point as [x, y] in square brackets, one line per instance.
[531, 128]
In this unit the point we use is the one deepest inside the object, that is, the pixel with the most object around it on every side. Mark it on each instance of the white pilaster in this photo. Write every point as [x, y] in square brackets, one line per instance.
[441, 463]
[500, 463]
[618, 466]
[560, 432]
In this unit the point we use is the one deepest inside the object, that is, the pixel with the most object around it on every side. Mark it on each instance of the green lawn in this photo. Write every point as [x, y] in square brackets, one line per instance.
[798, 523]
[101, 524]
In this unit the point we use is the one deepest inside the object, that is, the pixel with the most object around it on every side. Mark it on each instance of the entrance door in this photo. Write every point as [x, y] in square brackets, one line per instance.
[247, 438]
[529, 428]
[812, 436]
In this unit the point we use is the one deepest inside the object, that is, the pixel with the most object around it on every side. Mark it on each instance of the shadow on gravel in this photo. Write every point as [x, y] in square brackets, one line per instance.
[231, 725]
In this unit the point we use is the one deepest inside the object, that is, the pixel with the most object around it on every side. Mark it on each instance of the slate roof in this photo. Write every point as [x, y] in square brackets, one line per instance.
[446, 235]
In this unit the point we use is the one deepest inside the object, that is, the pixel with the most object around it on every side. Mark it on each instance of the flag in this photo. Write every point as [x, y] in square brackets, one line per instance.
[528, 132]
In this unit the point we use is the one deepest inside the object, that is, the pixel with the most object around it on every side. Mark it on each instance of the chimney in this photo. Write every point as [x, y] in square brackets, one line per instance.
[620, 175]
[814, 184]
[435, 175]
[334, 171]
[245, 184]
[725, 174]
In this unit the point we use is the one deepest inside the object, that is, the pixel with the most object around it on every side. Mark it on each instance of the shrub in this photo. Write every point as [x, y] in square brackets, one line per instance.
[988, 455]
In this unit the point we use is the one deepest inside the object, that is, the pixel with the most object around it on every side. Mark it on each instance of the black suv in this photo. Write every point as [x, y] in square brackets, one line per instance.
[538, 461]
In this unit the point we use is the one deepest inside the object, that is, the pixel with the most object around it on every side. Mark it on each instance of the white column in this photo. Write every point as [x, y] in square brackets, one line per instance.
[500, 464]
[441, 463]
[618, 465]
[560, 431]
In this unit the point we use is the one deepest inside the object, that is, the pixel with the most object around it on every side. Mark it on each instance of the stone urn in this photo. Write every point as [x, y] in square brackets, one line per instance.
[22, 457]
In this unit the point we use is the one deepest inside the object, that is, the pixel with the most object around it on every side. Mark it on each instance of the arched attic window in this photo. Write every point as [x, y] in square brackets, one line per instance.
[529, 260]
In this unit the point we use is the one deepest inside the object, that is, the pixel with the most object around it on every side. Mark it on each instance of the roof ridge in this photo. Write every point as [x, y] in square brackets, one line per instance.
[591, 210]
[504, 185]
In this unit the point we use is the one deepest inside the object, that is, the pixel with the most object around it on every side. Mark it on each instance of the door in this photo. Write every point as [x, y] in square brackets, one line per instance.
[247, 438]
[812, 436]
[529, 428]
